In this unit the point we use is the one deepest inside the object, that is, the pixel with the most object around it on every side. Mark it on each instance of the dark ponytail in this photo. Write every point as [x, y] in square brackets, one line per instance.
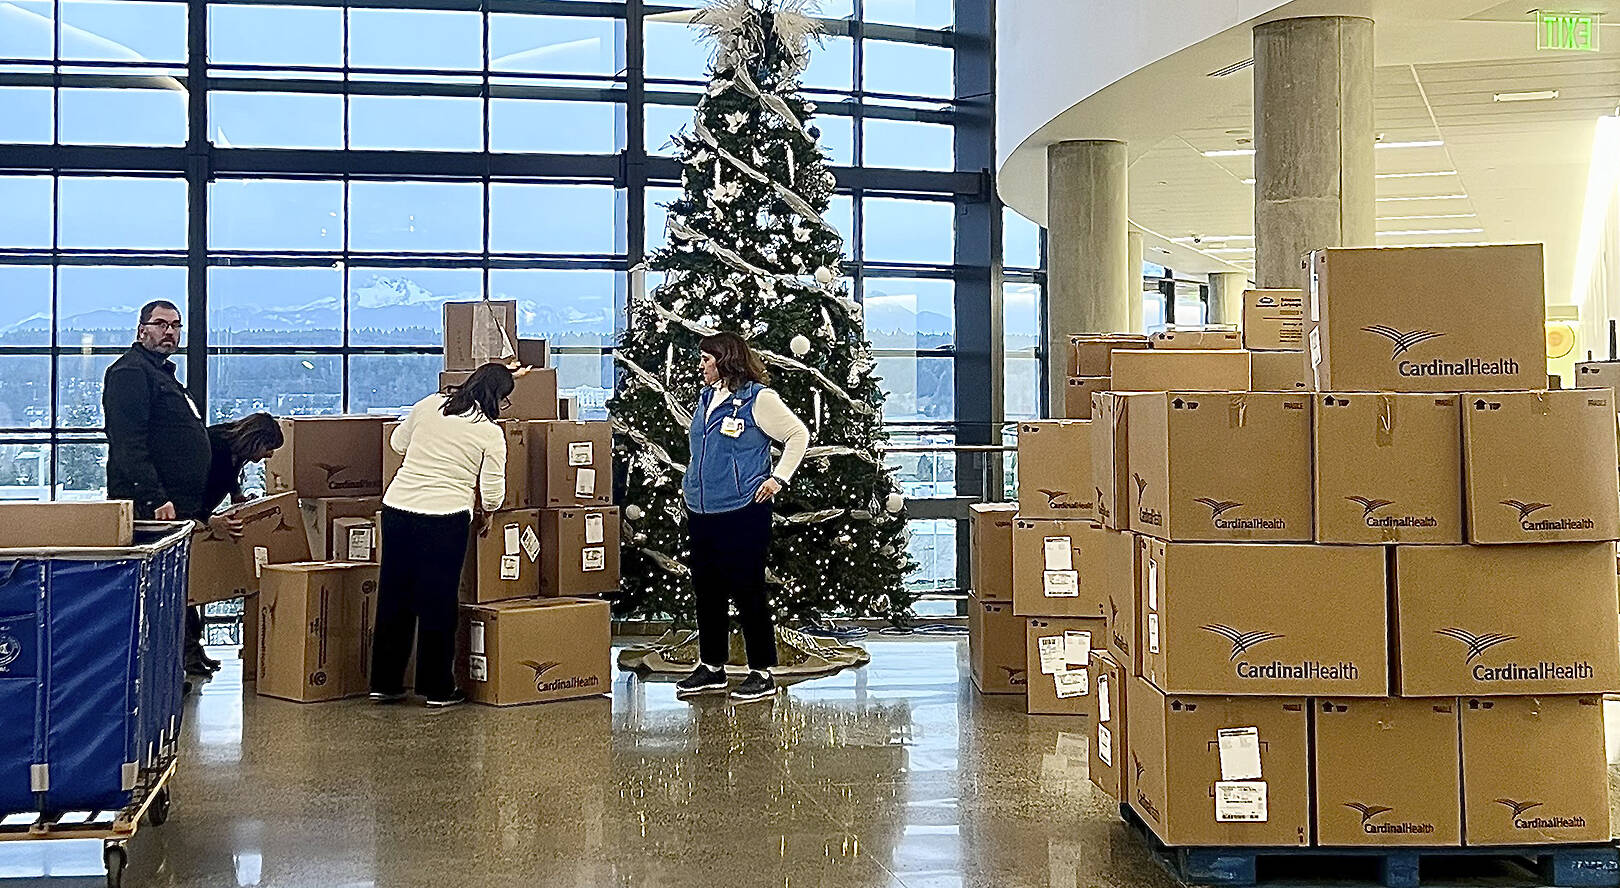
[486, 390]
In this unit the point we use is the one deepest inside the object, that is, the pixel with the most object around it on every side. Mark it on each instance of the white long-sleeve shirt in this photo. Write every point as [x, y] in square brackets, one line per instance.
[447, 460]
[777, 421]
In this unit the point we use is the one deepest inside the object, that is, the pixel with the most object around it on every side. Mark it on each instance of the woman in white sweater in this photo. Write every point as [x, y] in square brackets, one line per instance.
[455, 453]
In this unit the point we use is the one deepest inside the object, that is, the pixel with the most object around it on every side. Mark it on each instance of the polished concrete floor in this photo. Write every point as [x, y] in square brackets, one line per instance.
[896, 774]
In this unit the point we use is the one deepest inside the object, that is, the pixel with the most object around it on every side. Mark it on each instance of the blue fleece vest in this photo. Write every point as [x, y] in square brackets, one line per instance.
[725, 472]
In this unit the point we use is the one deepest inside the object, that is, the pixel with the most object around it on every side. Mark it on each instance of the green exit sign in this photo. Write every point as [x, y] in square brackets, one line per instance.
[1577, 31]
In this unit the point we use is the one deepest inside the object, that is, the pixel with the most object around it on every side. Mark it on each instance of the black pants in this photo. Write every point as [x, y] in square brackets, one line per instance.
[728, 565]
[417, 594]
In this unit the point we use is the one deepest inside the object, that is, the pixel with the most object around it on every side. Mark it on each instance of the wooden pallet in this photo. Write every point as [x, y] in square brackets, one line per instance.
[116, 826]
[1565, 866]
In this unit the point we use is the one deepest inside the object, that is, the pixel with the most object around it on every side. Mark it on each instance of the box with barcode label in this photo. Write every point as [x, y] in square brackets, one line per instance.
[1050, 576]
[504, 560]
[571, 463]
[1223, 771]
[579, 551]
[535, 651]
[1057, 656]
[1109, 737]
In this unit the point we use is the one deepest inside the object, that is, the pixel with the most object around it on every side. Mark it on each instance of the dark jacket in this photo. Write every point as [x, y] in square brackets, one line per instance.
[157, 445]
[224, 472]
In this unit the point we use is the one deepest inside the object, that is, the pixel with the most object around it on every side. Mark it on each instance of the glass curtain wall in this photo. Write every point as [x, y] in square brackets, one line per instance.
[311, 180]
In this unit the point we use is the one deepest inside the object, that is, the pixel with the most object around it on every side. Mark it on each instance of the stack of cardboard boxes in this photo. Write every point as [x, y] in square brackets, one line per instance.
[1378, 613]
[533, 628]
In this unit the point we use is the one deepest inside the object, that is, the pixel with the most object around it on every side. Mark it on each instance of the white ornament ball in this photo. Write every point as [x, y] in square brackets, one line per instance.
[632, 512]
[799, 345]
[894, 503]
[824, 275]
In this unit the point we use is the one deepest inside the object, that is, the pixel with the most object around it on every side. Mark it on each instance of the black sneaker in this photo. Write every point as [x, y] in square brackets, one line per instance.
[456, 698]
[198, 669]
[702, 680]
[381, 698]
[757, 686]
[212, 664]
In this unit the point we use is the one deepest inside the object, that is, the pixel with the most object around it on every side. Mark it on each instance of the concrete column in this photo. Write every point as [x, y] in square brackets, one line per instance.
[1133, 283]
[1313, 137]
[1226, 296]
[1087, 255]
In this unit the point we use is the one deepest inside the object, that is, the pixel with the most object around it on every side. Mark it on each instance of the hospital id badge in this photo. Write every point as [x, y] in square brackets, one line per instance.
[731, 426]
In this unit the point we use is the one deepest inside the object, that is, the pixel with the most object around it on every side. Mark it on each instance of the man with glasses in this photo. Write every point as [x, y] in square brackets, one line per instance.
[157, 444]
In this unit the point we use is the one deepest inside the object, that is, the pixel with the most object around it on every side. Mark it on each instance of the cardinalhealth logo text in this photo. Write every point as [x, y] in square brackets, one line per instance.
[1369, 813]
[1533, 525]
[1476, 645]
[1403, 341]
[1518, 810]
[1369, 514]
[1305, 670]
[1219, 508]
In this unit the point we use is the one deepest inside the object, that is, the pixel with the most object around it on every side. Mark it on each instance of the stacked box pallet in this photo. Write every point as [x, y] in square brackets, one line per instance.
[533, 575]
[1380, 613]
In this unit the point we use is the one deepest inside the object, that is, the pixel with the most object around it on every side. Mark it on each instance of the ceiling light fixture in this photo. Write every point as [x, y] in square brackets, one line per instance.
[1247, 181]
[1409, 231]
[1534, 95]
[1416, 175]
[1425, 197]
[1422, 143]
[1229, 152]
[1426, 216]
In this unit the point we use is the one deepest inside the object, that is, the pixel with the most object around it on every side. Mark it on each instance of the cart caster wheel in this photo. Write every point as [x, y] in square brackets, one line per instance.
[158, 814]
[116, 859]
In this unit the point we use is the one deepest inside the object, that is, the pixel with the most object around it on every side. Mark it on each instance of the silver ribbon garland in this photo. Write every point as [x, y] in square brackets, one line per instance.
[640, 439]
[682, 231]
[799, 204]
[679, 412]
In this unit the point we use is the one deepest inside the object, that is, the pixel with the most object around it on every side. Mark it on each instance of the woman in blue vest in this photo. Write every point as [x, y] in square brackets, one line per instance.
[729, 486]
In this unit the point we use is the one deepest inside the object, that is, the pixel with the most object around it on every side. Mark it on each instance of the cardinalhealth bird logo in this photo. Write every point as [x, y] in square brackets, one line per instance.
[1526, 509]
[1403, 341]
[1518, 808]
[1217, 508]
[1477, 644]
[1141, 484]
[1241, 641]
[1369, 506]
[1367, 812]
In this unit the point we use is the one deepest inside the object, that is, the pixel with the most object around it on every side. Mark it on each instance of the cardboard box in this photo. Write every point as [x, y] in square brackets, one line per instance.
[1225, 771]
[1197, 339]
[521, 465]
[1482, 620]
[1092, 354]
[1183, 370]
[1540, 466]
[250, 639]
[108, 524]
[534, 396]
[1596, 374]
[1049, 568]
[996, 647]
[391, 460]
[503, 561]
[1534, 770]
[1109, 744]
[1077, 395]
[314, 630]
[1264, 619]
[1388, 468]
[218, 571]
[1054, 470]
[478, 333]
[273, 532]
[1116, 563]
[328, 456]
[536, 651]
[1110, 457]
[354, 540]
[322, 515]
[534, 352]
[1221, 466]
[579, 551]
[1274, 320]
[1057, 660]
[1387, 772]
[990, 551]
[1279, 371]
[1427, 319]
[571, 463]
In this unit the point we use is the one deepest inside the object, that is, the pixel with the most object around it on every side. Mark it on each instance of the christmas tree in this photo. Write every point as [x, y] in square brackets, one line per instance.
[749, 251]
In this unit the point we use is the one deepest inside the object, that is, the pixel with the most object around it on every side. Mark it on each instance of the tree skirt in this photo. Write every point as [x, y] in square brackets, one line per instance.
[797, 655]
